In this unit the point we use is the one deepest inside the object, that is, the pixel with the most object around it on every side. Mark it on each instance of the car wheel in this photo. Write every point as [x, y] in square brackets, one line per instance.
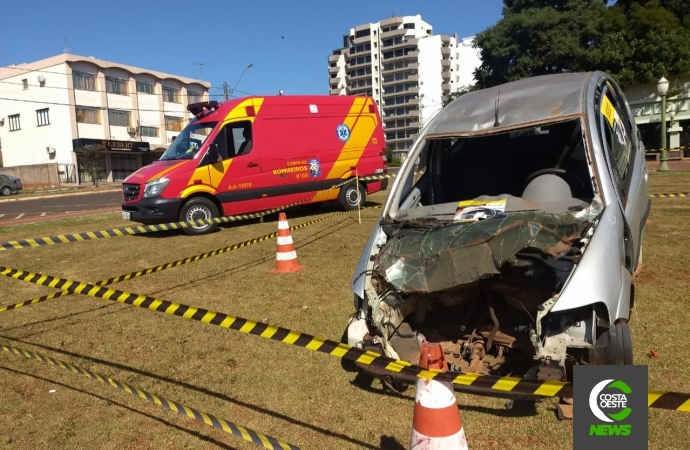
[350, 197]
[613, 347]
[5, 190]
[199, 208]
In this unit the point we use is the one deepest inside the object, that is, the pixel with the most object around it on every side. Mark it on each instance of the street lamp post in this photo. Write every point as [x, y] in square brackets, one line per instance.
[238, 81]
[662, 89]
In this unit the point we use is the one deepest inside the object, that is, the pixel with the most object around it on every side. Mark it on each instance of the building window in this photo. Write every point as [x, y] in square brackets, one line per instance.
[144, 88]
[84, 81]
[171, 95]
[409, 26]
[148, 131]
[116, 86]
[14, 123]
[193, 97]
[87, 115]
[118, 118]
[42, 117]
[173, 123]
[25, 84]
[363, 33]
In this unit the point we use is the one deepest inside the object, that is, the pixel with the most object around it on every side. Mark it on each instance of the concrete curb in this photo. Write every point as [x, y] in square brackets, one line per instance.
[71, 194]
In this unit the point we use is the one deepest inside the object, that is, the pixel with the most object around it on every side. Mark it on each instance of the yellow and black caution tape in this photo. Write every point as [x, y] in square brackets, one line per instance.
[143, 229]
[209, 419]
[671, 195]
[179, 262]
[657, 399]
[339, 350]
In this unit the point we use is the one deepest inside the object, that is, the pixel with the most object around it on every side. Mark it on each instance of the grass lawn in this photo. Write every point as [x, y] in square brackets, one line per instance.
[290, 393]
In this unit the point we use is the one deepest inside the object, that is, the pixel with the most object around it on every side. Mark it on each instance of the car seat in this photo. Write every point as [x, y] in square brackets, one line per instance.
[547, 188]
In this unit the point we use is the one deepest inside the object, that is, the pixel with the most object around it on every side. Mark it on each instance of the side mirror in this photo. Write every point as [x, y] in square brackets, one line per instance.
[214, 154]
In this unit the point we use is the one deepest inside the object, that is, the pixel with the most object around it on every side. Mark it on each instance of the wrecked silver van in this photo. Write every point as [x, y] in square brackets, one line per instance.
[511, 235]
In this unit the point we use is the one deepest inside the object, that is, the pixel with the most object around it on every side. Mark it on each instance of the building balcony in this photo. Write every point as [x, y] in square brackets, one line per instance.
[445, 86]
[333, 58]
[412, 42]
[445, 52]
[392, 22]
[333, 70]
[445, 38]
[400, 32]
[412, 90]
[358, 77]
[400, 139]
[410, 55]
[445, 63]
[361, 40]
[336, 91]
[445, 75]
[411, 125]
[410, 67]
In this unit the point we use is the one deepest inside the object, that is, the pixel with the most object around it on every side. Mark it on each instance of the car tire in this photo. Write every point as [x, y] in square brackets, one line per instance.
[613, 347]
[195, 209]
[5, 190]
[350, 197]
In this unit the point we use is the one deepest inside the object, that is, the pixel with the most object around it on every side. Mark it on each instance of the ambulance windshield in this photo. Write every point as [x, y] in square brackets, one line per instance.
[186, 144]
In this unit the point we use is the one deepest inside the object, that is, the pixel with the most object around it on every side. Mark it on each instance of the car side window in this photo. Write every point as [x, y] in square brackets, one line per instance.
[617, 137]
[240, 138]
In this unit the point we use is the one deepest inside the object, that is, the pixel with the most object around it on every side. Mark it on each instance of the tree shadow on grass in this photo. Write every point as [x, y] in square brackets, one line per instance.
[201, 390]
[520, 408]
[196, 434]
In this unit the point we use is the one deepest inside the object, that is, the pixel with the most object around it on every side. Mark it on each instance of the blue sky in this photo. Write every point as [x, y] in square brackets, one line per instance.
[287, 41]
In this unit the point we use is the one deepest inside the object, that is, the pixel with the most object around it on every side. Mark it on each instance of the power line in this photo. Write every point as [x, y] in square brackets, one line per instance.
[27, 71]
[84, 106]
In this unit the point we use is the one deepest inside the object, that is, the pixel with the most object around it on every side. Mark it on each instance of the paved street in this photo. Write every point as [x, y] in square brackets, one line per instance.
[42, 209]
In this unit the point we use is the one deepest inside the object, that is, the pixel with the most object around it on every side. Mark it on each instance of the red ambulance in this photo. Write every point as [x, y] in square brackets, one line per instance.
[258, 153]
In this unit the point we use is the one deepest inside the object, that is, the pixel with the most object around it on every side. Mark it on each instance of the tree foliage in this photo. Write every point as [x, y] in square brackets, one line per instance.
[90, 157]
[633, 40]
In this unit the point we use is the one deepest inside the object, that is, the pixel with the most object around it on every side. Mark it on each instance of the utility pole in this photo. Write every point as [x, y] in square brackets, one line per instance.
[225, 90]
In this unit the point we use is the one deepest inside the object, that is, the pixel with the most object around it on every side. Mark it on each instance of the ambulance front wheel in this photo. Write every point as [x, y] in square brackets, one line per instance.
[350, 197]
[198, 208]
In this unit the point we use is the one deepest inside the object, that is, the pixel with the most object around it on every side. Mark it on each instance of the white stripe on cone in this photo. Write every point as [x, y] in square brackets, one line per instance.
[454, 442]
[284, 240]
[434, 394]
[286, 256]
[283, 225]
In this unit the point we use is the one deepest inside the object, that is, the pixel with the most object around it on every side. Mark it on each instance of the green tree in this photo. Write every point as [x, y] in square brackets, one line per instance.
[536, 37]
[89, 159]
[633, 40]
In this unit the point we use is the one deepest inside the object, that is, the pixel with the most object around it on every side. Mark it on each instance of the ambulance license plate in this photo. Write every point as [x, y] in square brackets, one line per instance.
[125, 215]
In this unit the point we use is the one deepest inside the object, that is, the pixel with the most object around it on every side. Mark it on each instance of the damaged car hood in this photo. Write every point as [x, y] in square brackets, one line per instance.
[428, 254]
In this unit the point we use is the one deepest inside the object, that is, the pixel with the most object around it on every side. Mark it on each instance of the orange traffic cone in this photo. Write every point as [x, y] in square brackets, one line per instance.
[436, 424]
[286, 257]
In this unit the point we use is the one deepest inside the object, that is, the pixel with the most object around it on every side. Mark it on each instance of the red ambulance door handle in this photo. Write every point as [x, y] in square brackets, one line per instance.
[252, 164]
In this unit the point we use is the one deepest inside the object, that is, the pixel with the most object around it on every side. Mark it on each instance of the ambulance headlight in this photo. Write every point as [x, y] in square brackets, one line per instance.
[155, 187]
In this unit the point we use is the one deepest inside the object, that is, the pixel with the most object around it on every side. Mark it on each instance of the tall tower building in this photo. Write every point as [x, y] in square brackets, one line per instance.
[407, 69]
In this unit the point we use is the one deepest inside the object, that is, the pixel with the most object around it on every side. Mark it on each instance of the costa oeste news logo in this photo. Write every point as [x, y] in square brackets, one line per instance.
[601, 403]
[609, 407]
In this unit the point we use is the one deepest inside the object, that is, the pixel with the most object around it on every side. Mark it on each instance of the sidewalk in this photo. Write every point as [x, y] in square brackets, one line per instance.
[63, 191]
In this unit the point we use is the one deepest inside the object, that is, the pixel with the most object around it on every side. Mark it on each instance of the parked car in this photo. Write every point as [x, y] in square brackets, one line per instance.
[9, 184]
[258, 153]
[511, 235]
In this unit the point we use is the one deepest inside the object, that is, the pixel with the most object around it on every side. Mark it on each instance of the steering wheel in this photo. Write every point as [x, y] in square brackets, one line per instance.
[555, 171]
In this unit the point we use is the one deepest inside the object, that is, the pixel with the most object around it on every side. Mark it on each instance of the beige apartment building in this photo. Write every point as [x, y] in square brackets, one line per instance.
[406, 68]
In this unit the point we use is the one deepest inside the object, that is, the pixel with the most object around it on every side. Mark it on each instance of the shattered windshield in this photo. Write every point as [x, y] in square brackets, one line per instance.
[429, 255]
[189, 141]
